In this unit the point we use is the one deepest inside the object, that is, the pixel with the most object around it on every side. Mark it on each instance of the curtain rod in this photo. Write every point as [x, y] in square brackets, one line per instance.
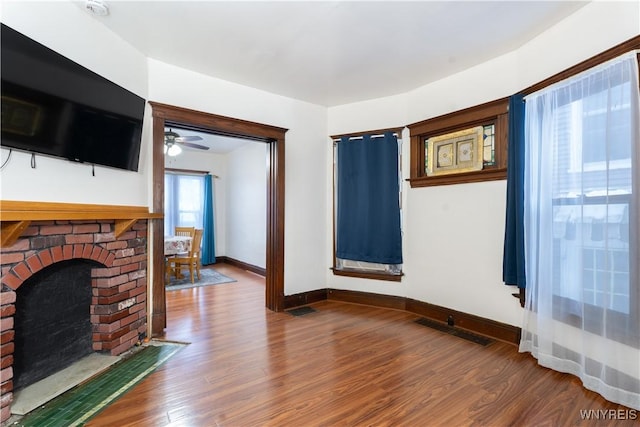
[189, 171]
[360, 137]
[351, 138]
[397, 130]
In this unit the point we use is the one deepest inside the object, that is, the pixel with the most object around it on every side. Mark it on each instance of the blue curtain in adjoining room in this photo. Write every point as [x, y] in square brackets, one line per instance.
[208, 239]
[513, 263]
[368, 211]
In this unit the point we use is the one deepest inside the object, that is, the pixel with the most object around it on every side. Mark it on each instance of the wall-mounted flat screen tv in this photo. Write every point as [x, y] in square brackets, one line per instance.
[52, 105]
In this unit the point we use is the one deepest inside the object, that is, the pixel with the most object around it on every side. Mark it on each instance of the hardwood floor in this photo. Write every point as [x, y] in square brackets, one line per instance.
[344, 365]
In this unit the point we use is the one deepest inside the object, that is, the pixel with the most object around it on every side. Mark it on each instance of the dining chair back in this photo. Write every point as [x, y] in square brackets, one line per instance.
[185, 231]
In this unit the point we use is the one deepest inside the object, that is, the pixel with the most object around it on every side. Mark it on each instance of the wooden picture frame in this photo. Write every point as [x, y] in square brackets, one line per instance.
[455, 152]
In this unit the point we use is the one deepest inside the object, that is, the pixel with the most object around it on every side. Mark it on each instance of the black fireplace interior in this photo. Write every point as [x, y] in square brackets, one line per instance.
[52, 321]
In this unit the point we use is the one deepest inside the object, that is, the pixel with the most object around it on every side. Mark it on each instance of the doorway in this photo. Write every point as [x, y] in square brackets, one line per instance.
[167, 115]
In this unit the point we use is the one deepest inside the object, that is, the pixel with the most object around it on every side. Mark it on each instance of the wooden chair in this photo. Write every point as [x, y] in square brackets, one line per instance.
[190, 260]
[184, 231]
[178, 231]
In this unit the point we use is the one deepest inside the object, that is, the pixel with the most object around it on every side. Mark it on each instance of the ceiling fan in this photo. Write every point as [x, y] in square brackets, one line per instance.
[173, 141]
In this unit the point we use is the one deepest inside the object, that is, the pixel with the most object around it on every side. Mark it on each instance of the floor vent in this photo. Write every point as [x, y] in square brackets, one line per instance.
[478, 339]
[301, 311]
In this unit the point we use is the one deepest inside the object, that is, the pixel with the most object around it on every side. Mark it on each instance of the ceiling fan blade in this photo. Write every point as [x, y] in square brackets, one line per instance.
[188, 138]
[192, 145]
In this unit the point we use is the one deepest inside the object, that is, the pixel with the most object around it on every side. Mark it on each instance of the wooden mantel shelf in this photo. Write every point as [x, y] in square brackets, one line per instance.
[15, 216]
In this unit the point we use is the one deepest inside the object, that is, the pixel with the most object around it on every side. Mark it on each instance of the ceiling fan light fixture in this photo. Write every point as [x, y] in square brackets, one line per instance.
[174, 150]
[173, 139]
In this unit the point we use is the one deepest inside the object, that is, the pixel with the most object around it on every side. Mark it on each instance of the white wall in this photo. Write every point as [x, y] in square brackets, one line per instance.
[305, 155]
[215, 164]
[67, 29]
[453, 234]
[591, 30]
[246, 204]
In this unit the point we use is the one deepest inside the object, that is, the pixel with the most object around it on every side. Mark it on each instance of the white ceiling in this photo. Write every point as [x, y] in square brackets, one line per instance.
[330, 52]
[218, 144]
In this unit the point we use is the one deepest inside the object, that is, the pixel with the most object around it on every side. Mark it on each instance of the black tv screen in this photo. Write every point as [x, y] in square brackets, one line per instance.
[54, 106]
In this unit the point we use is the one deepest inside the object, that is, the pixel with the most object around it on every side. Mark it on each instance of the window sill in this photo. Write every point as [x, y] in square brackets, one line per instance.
[459, 178]
[616, 329]
[368, 275]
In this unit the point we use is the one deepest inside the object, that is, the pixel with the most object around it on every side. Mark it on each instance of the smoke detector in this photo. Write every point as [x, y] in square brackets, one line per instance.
[96, 7]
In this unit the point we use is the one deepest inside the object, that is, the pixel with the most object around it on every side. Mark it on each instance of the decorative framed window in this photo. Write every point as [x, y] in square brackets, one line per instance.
[471, 143]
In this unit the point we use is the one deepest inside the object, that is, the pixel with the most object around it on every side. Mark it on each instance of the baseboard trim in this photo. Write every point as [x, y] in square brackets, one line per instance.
[366, 298]
[470, 322]
[458, 319]
[303, 298]
[243, 265]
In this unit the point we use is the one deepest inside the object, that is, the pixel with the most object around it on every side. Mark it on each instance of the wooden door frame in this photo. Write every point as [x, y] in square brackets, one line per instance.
[274, 136]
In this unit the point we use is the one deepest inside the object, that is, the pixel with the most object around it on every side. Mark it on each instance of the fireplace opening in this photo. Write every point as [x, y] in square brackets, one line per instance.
[52, 321]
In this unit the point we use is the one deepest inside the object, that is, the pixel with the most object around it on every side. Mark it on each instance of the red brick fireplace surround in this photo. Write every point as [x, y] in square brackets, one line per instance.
[38, 235]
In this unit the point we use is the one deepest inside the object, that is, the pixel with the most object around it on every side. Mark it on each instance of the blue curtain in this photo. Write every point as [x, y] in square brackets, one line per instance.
[513, 263]
[368, 212]
[208, 240]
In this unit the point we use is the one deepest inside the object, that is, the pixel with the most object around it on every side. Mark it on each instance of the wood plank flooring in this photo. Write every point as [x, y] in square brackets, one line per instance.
[344, 365]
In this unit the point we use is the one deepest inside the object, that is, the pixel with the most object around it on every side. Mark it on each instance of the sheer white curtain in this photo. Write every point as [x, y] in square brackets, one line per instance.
[581, 223]
[183, 201]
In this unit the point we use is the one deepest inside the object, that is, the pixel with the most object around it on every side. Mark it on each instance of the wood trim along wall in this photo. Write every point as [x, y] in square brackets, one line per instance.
[157, 308]
[168, 115]
[470, 322]
[303, 298]
[367, 298]
[365, 274]
[450, 122]
[243, 265]
[622, 48]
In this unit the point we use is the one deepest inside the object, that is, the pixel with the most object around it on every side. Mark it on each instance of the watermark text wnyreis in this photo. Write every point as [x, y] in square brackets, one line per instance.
[609, 414]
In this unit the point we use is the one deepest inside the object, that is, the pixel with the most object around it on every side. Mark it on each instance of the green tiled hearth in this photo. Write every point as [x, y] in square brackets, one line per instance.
[81, 403]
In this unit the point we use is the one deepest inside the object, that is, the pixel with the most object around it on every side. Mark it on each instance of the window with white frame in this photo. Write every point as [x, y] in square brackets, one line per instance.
[581, 227]
[581, 185]
[593, 184]
[183, 201]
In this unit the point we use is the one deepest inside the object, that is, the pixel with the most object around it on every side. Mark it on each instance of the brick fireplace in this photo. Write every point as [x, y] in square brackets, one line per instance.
[118, 254]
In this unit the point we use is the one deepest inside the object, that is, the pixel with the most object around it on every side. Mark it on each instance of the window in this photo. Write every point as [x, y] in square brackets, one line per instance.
[580, 139]
[592, 187]
[599, 267]
[183, 201]
[591, 241]
[492, 117]
[367, 201]
[581, 219]
[489, 145]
